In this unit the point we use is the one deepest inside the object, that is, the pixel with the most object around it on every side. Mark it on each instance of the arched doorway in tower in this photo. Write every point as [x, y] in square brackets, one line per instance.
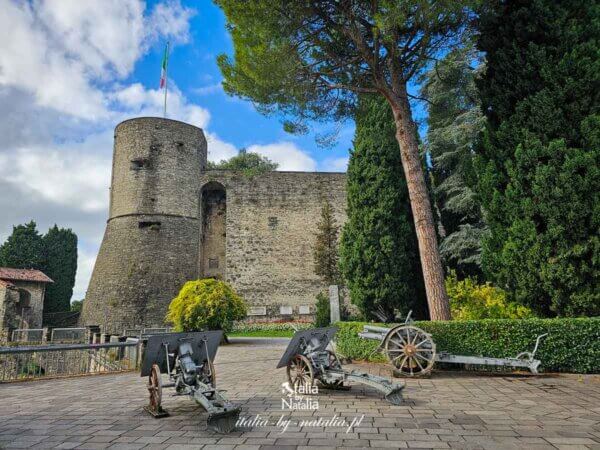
[213, 203]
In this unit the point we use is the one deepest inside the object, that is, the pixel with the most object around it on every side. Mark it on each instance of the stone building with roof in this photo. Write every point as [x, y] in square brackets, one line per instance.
[22, 294]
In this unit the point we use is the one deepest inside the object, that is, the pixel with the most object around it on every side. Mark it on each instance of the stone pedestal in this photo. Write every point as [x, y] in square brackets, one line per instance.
[334, 303]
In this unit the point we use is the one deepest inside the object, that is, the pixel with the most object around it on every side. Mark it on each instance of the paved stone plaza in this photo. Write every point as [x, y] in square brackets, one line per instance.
[445, 411]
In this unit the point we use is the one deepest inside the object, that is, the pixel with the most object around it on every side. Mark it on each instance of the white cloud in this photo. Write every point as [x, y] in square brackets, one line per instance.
[66, 175]
[61, 50]
[139, 101]
[30, 62]
[169, 19]
[335, 164]
[218, 149]
[287, 155]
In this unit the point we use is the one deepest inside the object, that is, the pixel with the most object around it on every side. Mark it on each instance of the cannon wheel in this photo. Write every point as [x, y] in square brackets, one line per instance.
[300, 371]
[410, 349]
[155, 390]
[209, 374]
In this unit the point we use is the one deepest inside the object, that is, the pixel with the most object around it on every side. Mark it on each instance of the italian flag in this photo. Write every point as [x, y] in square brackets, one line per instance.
[163, 68]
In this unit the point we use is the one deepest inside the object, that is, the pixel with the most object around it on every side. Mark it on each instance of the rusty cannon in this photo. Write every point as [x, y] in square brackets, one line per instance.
[412, 351]
[308, 359]
[187, 360]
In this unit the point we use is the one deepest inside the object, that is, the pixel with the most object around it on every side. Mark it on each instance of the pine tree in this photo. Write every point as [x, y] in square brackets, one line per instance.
[454, 123]
[61, 250]
[326, 248]
[379, 255]
[312, 61]
[539, 165]
[24, 248]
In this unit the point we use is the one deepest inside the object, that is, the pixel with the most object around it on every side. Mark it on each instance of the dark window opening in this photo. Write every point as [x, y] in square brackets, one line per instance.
[139, 163]
[150, 225]
[213, 263]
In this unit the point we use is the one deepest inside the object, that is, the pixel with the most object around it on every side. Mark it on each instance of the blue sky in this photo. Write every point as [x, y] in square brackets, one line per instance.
[71, 70]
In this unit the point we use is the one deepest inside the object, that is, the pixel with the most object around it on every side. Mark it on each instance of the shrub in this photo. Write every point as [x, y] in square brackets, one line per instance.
[472, 301]
[207, 304]
[572, 345]
[322, 313]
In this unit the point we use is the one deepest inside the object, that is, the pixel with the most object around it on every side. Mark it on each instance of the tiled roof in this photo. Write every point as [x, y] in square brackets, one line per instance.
[4, 283]
[24, 275]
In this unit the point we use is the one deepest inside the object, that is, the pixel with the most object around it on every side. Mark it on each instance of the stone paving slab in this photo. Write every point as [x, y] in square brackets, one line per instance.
[448, 410]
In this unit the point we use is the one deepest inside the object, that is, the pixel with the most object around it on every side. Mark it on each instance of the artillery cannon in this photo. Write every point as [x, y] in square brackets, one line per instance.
[187, 359]
[412, 351]
[307, 359]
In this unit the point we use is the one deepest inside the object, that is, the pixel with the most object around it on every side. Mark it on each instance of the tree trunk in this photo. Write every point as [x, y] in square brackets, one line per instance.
[433, 273]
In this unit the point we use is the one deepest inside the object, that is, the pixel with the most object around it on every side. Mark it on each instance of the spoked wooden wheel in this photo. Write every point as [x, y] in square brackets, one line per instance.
[155, 388]
[300, 372]
[208, 374]
[410, 350]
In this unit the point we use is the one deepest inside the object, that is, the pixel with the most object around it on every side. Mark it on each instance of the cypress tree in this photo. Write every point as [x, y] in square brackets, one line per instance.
[326, 248]
[539, 163]
[24, 248]
[454, 122]
[61, 251]
[378, 253]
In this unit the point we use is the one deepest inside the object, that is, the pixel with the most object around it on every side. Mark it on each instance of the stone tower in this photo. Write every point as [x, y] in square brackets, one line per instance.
[151, 243]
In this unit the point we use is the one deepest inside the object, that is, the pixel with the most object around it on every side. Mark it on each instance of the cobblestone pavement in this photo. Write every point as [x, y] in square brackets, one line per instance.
[445, 411]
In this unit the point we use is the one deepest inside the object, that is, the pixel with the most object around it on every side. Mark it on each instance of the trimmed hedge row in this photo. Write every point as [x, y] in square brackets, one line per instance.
[572, 345]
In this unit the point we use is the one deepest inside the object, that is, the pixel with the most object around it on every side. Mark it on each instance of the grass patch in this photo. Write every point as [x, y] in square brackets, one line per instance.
[261, 333]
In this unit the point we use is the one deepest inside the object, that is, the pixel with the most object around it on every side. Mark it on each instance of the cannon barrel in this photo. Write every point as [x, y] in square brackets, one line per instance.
[375, 329]
[373, 336]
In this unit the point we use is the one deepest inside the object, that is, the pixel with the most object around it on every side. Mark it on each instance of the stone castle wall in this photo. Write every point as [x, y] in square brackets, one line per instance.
[171, 221]
[150, 246]
[270, 234]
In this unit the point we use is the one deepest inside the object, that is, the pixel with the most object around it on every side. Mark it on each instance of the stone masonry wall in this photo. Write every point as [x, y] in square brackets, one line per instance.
[271, 226]
[150, 246]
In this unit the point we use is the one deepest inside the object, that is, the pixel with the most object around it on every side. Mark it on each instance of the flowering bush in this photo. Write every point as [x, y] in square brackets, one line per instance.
[207, 304]
[472, 301]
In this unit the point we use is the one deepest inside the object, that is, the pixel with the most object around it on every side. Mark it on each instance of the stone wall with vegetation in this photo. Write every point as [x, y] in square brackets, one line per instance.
[270, 233]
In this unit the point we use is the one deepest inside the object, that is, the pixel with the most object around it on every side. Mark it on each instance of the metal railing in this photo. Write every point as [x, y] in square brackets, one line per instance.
[143, 333]
[66, 360]
[68, 335]
[28, 335]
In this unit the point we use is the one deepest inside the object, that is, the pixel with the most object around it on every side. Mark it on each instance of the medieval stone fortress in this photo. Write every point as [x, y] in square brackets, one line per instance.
[172, 221]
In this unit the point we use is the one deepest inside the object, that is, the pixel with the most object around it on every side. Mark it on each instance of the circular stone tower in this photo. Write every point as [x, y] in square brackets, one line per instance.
[151, 243]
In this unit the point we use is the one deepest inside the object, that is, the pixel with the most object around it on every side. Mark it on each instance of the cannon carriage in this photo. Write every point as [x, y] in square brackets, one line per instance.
[187, 360]
[307, 359]
[413, 352]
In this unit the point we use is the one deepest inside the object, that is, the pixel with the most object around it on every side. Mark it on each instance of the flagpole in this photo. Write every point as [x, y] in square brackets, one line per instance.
[166, 79]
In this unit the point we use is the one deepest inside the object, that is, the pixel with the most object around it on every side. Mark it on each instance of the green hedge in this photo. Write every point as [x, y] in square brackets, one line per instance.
[572, 345]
